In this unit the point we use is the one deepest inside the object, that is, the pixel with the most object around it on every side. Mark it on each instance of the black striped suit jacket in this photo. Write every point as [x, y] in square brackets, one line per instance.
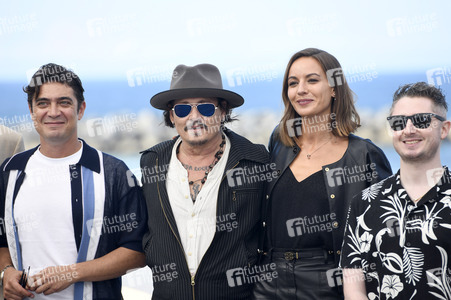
[239, 199]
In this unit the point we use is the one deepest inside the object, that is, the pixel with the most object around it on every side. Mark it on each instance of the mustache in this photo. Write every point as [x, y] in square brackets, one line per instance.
[191, 124]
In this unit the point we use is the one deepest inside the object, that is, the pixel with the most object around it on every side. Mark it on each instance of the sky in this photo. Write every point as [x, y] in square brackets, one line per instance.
[103, 40]
[125, 51]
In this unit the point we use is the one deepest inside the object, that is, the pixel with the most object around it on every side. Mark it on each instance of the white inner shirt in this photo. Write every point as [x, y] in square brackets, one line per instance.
[196, 222]
[43, 214]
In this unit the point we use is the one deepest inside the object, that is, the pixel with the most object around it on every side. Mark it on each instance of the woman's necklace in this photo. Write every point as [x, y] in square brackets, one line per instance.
[310, 155]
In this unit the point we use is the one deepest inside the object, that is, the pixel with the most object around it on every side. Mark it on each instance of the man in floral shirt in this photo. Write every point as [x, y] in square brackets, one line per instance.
[398, 233]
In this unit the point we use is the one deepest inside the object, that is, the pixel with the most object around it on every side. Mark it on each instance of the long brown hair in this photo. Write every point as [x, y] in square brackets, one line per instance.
[347, 119]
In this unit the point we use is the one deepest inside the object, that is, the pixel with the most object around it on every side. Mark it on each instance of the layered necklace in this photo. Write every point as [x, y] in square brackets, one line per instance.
[217, 157]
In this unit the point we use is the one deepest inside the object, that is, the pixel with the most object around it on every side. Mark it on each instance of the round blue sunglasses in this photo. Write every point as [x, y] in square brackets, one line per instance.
[205, 109]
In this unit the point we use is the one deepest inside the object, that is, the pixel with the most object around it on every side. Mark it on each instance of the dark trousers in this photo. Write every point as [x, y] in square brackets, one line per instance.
[300, 276]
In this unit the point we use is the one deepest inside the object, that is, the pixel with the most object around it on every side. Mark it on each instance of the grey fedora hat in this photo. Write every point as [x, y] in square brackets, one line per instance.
[202, 80]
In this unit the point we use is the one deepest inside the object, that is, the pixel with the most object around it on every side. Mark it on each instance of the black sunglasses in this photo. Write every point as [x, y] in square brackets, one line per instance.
[205, 109]
[421, 121]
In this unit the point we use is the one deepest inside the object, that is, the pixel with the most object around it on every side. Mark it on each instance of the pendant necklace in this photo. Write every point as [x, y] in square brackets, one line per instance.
[310, 155]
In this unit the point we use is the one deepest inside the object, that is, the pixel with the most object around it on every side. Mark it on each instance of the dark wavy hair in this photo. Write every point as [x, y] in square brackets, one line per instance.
[54, 73]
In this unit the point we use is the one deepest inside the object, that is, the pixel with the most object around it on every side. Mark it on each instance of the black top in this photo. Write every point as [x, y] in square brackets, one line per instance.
[402, 247]
[360, 152]
[300, 214]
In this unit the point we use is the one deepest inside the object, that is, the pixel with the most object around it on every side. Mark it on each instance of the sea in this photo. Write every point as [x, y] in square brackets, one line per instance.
[102, 97]
[374, 92]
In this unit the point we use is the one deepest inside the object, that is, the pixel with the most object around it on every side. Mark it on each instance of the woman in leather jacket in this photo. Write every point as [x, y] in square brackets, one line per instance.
[321, 166]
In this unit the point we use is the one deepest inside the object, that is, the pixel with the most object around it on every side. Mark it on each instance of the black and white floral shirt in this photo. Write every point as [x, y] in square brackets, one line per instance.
[402, 247]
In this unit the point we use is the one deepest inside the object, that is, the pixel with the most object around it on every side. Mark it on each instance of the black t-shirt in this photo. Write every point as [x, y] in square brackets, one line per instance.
[300, 214]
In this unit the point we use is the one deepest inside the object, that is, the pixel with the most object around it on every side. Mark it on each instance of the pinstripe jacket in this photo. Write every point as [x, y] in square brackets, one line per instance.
[232, 251]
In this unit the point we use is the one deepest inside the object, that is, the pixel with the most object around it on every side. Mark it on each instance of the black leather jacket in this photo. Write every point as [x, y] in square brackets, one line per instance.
[360, 152]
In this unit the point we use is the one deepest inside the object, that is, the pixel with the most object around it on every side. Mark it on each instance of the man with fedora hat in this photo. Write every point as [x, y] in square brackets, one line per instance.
[203, 204]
